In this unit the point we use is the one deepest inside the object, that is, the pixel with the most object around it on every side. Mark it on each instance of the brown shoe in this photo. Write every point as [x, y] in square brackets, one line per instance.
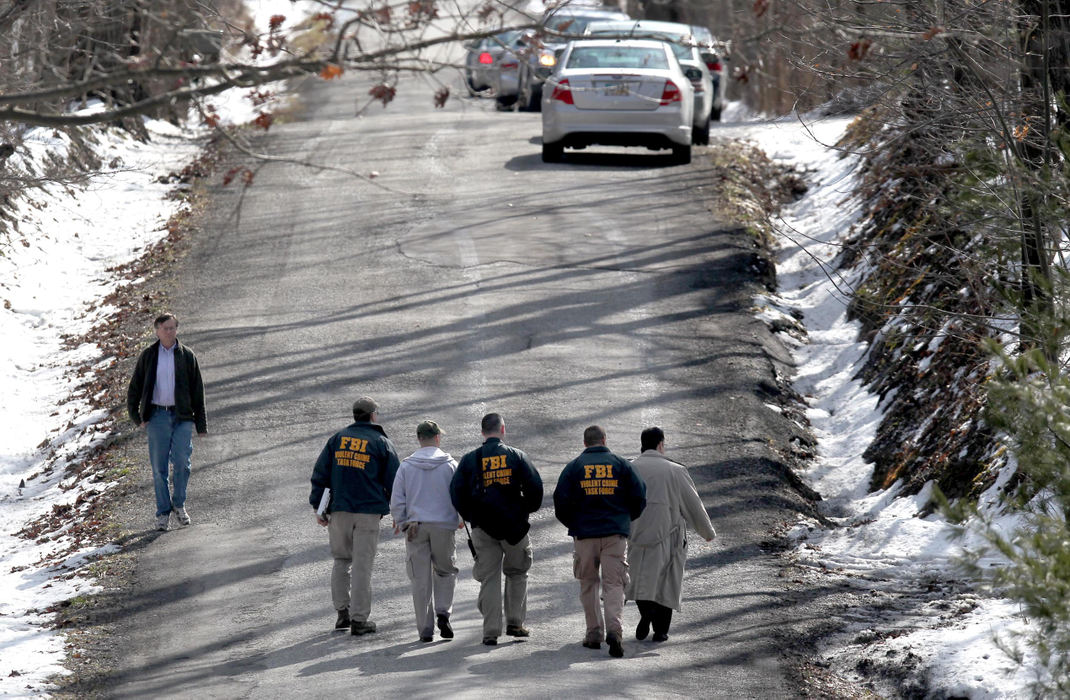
[615, 648]
[517, 631]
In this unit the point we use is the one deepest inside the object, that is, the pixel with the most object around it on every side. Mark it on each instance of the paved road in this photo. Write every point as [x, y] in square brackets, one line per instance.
[601, 290]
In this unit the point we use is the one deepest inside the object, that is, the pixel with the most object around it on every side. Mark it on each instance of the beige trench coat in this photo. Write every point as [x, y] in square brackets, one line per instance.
[657, 547]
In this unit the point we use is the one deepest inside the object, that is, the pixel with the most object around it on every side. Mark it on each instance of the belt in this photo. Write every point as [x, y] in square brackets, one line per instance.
[166, 408]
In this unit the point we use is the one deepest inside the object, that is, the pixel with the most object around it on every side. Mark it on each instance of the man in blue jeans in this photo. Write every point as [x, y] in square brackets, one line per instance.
[166, 397]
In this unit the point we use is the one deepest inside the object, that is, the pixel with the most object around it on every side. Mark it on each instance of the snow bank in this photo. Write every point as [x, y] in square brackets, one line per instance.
[882, 542]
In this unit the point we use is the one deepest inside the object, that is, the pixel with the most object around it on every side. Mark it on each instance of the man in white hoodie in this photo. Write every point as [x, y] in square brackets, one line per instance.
[421, 507]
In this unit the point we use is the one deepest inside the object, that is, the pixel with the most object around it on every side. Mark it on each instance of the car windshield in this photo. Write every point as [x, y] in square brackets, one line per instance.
[682, 52]
[570, 24]
[617, 57]
[505, 38]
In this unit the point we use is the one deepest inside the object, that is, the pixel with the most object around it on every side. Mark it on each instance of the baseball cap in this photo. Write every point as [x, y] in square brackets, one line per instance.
[365, 404]
[428, 428]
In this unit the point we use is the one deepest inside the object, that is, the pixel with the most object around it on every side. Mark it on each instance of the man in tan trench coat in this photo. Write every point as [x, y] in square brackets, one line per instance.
[658, 546]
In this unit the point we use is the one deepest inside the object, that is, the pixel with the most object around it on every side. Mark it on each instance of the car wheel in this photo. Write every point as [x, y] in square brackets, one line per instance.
[681, 155]
[553, 152]
[522, 93]
[529, 97]
[535, 98]
[472, 92]
[505, 102]
[715, 114]
[700, 136]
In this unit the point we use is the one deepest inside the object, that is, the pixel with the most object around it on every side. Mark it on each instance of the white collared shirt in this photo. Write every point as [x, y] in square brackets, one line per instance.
[163, 393]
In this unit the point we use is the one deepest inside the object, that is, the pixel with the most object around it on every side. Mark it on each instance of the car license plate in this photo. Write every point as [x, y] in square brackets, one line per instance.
[617, 88]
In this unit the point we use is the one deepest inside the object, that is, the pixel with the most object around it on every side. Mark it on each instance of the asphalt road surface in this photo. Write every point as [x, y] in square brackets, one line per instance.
[601, 290]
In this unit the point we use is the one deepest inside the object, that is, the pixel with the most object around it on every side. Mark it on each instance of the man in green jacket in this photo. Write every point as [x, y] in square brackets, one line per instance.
[166, 398]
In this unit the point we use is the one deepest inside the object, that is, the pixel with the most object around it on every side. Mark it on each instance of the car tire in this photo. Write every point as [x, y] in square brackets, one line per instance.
[715, 114]
[700, 136]
[506, 102]
[530, 97]
[536, 98]
[681, 155]
[553, 152]
[472, 92]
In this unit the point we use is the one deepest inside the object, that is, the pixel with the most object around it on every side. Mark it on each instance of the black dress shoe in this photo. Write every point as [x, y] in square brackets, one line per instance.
[660, 637]
[343, 619]
[427, 639]
[593, 645]
[490, 641]
[642, 629]
[361, 628]
[444, 628]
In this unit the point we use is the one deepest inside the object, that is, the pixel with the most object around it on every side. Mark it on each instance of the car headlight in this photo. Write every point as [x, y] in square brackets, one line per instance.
[547, 59]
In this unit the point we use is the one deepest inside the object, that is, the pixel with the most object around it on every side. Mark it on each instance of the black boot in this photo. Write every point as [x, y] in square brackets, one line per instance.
[662, 619]
[646, 609]
[343, 619]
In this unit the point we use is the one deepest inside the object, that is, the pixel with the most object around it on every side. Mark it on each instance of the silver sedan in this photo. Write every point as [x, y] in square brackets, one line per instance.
[617, 93]
[684, 46]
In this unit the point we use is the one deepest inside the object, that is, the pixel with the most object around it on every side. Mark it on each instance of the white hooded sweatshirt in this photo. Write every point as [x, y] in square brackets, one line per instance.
[421, 490]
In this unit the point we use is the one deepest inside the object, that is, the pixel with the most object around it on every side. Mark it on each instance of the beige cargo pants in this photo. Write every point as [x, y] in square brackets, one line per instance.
[354, 537]
[432, 569]
[494, 558]
[610, 554]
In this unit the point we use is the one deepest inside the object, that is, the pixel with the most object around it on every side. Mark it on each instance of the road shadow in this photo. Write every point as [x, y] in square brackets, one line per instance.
[572, 159]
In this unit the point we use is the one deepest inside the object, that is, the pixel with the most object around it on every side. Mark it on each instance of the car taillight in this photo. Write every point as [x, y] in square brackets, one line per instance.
[671, 93]
[486, 59]
[563, 93]
[715, 67]
[699, 87]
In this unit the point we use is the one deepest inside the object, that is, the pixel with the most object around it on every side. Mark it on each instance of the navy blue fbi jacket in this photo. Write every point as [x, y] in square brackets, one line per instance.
[358, 464]
[497, 491]
[599, 494]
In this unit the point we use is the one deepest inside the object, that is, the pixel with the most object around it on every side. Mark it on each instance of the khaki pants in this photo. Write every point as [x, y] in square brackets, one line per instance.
[433, 572]
[610, 555]
[354, 538]
[493, 558]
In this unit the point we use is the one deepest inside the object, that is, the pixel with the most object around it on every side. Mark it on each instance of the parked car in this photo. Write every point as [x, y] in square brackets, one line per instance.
[714, 54]
[542, 47]
[617, 93]
[506, 79]
[687, 53]
[481, 60]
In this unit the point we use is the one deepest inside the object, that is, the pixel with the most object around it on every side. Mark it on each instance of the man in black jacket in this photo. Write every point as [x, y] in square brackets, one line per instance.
[166, 398]
[598, 495]
[495, 488]
[358, 464]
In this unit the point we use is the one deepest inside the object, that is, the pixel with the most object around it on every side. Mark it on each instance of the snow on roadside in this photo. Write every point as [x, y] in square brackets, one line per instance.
[54, 272]
[883, 538]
